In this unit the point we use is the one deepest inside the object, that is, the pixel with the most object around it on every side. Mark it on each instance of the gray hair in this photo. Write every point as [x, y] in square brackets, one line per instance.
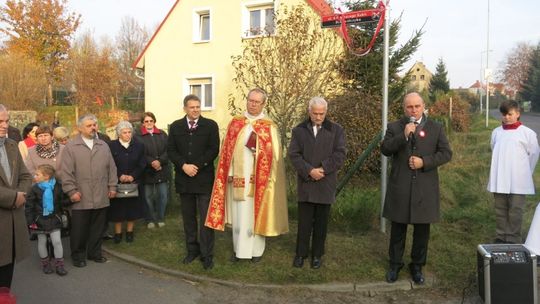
[412, 94]
[317, 101]
[123, 125]
[86, 117]
[258, 90]
[3, 108]
[60, 133]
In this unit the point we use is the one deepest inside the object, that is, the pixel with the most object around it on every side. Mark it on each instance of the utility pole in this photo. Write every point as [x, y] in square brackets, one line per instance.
[488, 71]
[384, 159]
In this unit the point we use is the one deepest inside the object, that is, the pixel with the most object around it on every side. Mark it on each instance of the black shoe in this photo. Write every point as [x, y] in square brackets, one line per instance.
[233, 258]
[117, 238]
[100, 259]
[499, 241]
[256, 259]
[316, 262]
[79, 264]
[208, 263]
[107, 236]
[298, 262]
[416, 273]
[129, 237]
[392, 274]
[190, 258]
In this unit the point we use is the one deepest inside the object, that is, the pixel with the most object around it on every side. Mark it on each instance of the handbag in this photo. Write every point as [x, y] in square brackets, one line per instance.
[127, 190]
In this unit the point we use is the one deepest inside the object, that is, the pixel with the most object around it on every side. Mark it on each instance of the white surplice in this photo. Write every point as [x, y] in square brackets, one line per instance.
[514, 157]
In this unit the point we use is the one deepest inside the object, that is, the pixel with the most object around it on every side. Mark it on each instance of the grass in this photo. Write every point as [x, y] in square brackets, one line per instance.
[355, 250]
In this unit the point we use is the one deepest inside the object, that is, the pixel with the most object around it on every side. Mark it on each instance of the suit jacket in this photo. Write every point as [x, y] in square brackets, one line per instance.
[326, 150]
[412, 196]
[199, 147]
[12, 221]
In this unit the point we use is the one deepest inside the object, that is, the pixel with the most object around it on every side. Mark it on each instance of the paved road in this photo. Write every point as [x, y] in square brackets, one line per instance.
[113, 282]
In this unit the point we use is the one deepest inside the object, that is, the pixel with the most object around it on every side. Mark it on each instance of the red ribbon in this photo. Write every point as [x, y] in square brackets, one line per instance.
[512, 126]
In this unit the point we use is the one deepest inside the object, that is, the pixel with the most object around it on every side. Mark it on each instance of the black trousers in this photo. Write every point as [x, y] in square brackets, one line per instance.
[6, 271]
[398, 236]
[192, 203]
[87, 228]
[312, 224]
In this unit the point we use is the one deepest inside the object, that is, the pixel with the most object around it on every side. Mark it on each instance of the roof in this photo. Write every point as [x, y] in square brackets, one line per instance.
[321, 7]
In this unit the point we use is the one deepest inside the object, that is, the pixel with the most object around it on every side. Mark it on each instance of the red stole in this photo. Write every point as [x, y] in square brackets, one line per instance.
[215, 218]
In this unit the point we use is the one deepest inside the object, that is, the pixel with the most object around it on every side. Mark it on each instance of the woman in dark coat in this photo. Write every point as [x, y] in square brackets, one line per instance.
[128, 156]
[156, 174]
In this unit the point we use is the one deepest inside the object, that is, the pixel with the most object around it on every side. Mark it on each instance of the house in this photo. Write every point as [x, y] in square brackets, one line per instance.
[420, 77]
[190, 52]
[494, 88]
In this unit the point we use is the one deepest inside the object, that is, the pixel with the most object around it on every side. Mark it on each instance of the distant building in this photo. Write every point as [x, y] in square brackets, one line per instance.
[494, 88]
[419, 77]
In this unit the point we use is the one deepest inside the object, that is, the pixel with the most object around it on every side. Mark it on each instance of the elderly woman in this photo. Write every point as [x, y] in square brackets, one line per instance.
[46, 151]
[29, 138]
[128, 155]
[61, 135]
[156, 173]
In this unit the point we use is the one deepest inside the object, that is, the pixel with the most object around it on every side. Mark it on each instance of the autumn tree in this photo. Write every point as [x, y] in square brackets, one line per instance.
[93, 72]
[42, 30]
[130, 42]
[516, 66]
[439, 84]
[23, 82]
[296, 64]
[531, 87]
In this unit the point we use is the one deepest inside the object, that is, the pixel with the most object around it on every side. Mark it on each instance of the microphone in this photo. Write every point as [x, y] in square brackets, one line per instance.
[412, 119]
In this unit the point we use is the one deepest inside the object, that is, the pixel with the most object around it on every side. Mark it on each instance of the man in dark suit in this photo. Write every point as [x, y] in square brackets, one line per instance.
[14, 182]
[317, 151]
[14, 134]
[417, 147]
[192, 146]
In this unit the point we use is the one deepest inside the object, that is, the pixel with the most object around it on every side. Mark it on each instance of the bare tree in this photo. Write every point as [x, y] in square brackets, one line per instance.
[296, 64]
[130, 42]
[23, 82]
[516, 66]
[93, 73]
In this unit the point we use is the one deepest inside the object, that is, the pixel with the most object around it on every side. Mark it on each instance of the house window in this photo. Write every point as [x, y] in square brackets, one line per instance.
[421, 77]
[258, 19]
[413, 77]
[203, 88]
[201, 25]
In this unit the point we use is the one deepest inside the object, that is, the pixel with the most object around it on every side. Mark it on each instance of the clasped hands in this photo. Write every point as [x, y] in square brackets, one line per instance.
[316, 173]
[190, 169]
[156, 164]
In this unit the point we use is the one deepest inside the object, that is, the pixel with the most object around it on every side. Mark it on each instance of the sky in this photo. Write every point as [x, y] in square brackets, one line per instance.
[455, 30]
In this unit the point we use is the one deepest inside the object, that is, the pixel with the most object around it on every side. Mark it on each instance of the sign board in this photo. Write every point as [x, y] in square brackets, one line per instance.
[355, 17]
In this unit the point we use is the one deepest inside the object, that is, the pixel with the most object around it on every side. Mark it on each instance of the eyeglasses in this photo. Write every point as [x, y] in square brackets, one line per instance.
[257, 102]
[151, 120]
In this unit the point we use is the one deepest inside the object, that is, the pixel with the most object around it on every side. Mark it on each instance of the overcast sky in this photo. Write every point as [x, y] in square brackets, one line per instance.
[456, 30]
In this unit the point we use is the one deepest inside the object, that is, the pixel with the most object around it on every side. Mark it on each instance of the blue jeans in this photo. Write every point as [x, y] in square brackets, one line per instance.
[156, 199]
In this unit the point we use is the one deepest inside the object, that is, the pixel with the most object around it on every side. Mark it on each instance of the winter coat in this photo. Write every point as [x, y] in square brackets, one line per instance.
[412, 196]
[90, 172]
[12, 221]
[34, 208]
[155, 145]
[326, 150]
[199, 147]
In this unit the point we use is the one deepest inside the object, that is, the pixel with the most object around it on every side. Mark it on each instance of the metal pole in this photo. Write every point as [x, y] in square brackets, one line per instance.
[487, 69]
[384, 160]
[481, 81]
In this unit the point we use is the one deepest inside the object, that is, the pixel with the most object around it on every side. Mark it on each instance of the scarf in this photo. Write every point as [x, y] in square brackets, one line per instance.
[48, 200]
[4, 162]
[48, 153]
[512, 126]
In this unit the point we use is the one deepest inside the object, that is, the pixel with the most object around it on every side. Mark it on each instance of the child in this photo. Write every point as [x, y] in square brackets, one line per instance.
[515, 153]
[43, 215]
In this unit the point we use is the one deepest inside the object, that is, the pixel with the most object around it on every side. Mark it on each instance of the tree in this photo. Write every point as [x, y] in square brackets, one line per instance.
[516, 66]
[23, 83]
[531, 86]
[365, 73]
[42, 30]
[292, 67]
[93, 73]
[439, 83]
[130, 42]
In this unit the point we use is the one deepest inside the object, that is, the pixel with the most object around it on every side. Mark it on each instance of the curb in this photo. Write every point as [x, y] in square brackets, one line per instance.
[366, 289]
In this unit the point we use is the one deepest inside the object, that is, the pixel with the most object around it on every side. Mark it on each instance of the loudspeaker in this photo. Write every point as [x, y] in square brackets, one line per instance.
[506, 274]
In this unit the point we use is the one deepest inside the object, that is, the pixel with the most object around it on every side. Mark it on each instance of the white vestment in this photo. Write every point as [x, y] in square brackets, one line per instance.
[246, 244]
[514, 157]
